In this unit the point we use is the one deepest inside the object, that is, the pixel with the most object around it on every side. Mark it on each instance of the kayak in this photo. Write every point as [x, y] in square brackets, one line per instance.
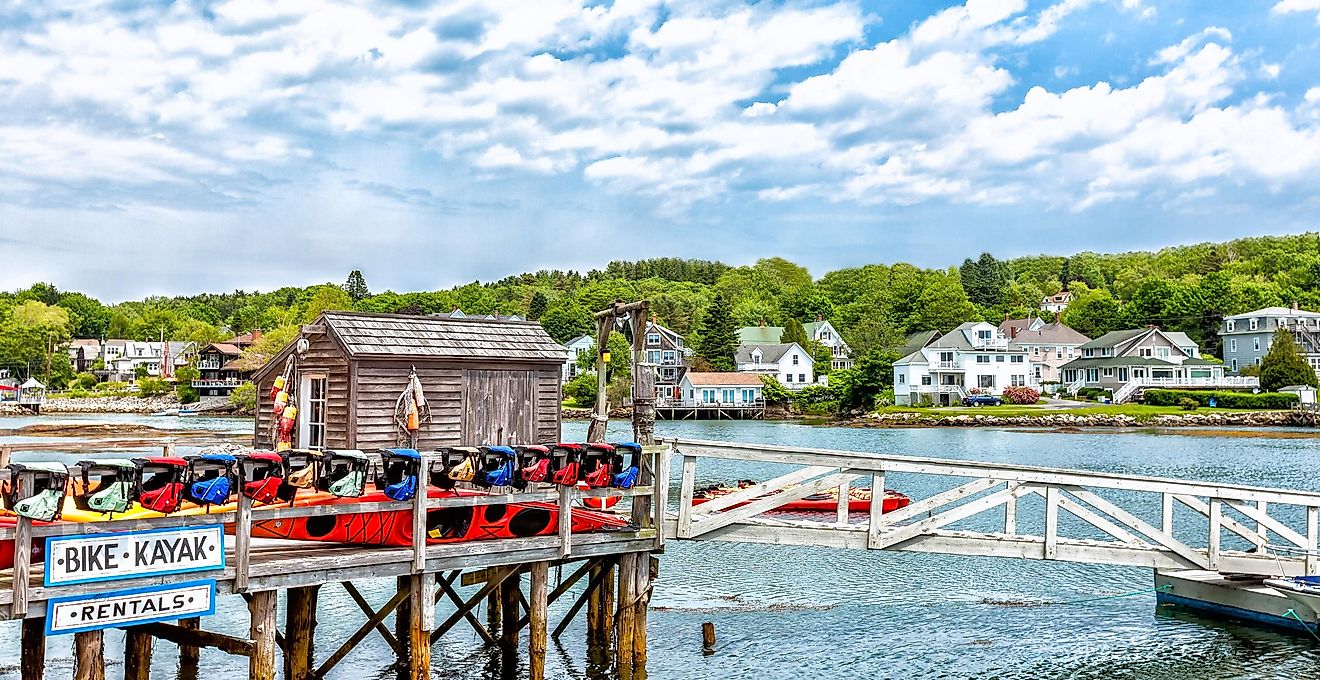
[859, 500]
[443, 525]
[7, 546]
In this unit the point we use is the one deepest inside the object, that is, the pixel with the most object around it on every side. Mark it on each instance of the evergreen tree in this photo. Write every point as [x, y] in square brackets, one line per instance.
[1284, 365]
[984, 279]
[356, 286]
[794, 332]
[719, 338]
[536, 309]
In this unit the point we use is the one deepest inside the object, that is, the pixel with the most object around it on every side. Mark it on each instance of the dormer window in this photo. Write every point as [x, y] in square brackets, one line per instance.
[1252, 324]
[1228, 325]
[652, 339]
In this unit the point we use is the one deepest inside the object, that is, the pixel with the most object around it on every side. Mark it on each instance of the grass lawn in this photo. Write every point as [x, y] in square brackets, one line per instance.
[1010, 410]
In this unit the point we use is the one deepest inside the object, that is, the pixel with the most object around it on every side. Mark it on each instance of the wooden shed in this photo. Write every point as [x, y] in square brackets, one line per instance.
[487, 381]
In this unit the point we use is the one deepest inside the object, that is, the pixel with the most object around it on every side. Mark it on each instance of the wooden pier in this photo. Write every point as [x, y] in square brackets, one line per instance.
[699, 411]
[257, 569]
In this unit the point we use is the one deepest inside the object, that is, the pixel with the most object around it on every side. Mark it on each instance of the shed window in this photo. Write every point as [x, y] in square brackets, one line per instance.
[313, 412]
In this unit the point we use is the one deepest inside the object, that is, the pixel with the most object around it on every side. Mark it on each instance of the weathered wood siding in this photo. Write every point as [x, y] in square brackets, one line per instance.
[548, 400]
[379, 384]
[324, 355]
[499, 406]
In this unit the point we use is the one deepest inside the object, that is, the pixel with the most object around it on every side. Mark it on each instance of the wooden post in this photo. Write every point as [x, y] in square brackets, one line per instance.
[300, 632]
[242, 543]
[89, 656]
[493, 612]
[641, 601]
[707, 638]
[261, 608]
[538, 611]
[402, 616]
[643, 374]
[421, 619]
[623, 646]
[189, 655]
[32, 665]
[510, 596]
[593, 607]
[137, 654]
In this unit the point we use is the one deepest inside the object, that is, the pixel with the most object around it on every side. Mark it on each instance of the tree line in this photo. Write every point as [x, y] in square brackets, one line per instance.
[1185, 288]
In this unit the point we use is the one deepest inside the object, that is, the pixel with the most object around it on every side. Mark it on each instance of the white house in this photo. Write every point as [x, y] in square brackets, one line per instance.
[820, 330]
[976, 356]
[573, 348]
[1056, 303]
[723, 389]
[790, 364]
[123, 357]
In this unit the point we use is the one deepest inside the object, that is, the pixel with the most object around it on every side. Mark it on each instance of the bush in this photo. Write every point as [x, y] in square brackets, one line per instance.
[1187, 404]
[85, 381]
[152, 387]
[244, 397]
[582, 389]
[187, 394]
[1244, 400]
[1021, 395]
[1095, 393]
[773, 392]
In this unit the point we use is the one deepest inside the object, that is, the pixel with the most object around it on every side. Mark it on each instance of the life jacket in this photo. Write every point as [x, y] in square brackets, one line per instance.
[567, 464]
[48, 484]
[624, 474]
[300, 472]
[262, 474]
[108, 486]
[465, 468]
[160, 483]
[533, 462]
[342, 473]
[399, 470]
[596, 465]
[501, 466]
[211, 478]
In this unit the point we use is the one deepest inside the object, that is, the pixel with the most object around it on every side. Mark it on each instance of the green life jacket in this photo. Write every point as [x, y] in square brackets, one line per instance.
[41, 507]
[113, 498]
[348, 486]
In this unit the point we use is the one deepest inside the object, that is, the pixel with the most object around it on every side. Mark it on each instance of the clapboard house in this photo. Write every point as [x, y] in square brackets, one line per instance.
[487, 381]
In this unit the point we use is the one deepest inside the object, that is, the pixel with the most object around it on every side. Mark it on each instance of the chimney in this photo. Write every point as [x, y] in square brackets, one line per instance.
[1295, 307]
[822, 318]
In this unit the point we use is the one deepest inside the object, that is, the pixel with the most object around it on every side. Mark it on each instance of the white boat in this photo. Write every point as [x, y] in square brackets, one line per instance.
[1304, 590]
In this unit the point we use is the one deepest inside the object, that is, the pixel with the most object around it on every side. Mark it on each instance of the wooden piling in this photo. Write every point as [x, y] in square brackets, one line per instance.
[189, 655]
[493, 613]
[261, 665]
[402, 615]
[32, 665]
[300, 632]
[641, 600]
[421, 619]
[623, 646]
[537, 613]
[89, 655]
[510, 601]
[137, 654]
[708, 638]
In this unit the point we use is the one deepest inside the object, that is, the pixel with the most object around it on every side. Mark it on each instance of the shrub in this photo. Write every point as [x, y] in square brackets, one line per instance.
[582, 389]
[1094, 393]
[152, 387]
[1021, 395]
[1187, 404]
[85, 381]
[773, 392]
[1244, 400]
[244, 397]
[187, 394]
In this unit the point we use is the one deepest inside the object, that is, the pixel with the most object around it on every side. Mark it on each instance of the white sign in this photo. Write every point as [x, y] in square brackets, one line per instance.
[128, 607]
[130, 554]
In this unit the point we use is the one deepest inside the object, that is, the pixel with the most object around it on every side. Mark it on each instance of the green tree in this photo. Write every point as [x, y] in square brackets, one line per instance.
[984, 279]
[536, 308]
[120, 326]
[719, 337]
[582, 389]
[1094, 313]
[326, 299]
[620, 358]
[941, 305]
[870, 375]
[244, 398]
[356, 286]
[794, 332]
[566, 320]
[1284, 364]
[90, 318]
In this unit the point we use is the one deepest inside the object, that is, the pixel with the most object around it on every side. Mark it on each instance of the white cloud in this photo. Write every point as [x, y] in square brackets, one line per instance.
[1290, 6]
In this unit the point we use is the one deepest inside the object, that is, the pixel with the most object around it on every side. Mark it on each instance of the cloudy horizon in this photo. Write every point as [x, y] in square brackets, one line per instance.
[175, 148]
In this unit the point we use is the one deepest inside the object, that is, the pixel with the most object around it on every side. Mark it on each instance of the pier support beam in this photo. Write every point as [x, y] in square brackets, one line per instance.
[403, 584]
[300, 632]
[510, 606]
[261, 665]
[623, 647]
[137, 654]
[537, 612]
[89, 656]
[493, 613]
[189, 655]
[421, 619]
[32, 665]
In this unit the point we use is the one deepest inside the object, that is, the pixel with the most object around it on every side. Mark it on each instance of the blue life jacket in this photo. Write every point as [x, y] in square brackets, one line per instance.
[402, 491]
[211, 491]
[502, 475]
[626, 479]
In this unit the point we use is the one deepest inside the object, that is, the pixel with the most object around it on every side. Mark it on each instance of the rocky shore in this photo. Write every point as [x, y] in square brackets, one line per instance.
[98, 405]
[1065, 419]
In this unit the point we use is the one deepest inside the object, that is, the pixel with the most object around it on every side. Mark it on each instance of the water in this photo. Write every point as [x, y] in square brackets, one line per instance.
[796, 613]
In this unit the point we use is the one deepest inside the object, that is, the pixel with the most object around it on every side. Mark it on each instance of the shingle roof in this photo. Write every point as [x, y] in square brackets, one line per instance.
[1276, 311]
[1099, 362]
[225, 348]
[1113, 338]
[916, 341]
[720, 379]
[1051, 333]
[770, 352]
[915, 358]
[434, 337]
[1180, 339]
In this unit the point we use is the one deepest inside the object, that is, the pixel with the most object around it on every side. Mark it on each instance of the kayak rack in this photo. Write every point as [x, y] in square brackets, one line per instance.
[258, 568]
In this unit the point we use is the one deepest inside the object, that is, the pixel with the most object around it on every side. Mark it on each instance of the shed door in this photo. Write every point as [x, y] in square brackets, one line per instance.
[499, 407]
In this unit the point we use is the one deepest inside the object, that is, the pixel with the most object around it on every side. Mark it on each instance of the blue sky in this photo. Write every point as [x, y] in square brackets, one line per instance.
[162, 148]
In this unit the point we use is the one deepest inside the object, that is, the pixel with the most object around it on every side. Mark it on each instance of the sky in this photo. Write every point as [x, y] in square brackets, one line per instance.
[178, 147]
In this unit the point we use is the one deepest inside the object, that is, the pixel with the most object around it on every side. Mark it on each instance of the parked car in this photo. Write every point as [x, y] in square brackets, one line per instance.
[982, 400]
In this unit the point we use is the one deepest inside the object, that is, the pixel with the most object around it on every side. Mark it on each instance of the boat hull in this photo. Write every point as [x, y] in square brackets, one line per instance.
[859, 501]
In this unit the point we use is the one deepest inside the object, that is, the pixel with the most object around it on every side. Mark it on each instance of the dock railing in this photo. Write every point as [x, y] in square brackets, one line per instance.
[249, 568]
[1086, 516]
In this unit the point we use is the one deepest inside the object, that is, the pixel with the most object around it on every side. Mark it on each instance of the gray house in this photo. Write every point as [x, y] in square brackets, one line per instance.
[1245, 338]
[1130, 361]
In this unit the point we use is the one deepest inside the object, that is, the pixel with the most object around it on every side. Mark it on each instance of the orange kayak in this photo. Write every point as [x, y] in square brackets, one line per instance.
[859, 500]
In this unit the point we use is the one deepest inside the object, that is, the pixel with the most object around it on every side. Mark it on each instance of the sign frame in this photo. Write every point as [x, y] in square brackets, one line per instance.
[53, 541]
[144, 590]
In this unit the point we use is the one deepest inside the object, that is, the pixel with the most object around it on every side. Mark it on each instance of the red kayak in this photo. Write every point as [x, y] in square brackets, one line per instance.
[7, 545]
[859, 500]
[444, 525]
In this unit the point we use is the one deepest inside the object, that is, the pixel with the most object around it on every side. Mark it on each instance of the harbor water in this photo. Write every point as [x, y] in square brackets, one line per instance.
[792, 613]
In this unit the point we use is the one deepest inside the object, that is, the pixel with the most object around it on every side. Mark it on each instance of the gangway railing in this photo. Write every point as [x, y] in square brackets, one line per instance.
[1085, 516]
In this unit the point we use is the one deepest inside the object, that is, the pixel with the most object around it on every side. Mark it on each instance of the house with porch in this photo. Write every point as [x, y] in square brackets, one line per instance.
[973, 358]
[1049, 346]
[668, 352]
[1245, 338]
[1130, 361]
[788, 363]
[219, 369]
[573, 350]
[820, 330]
[698, 388]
